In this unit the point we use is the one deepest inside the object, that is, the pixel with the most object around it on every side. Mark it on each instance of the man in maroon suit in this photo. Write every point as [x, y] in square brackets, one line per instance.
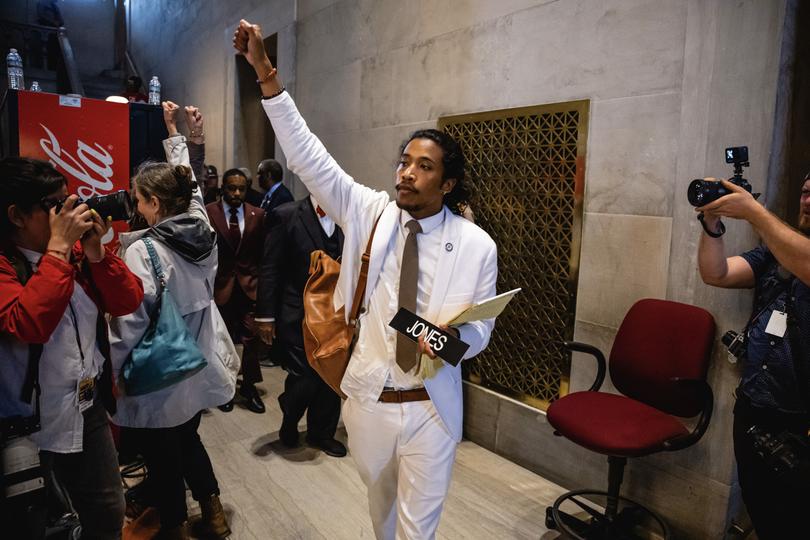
[240, 239]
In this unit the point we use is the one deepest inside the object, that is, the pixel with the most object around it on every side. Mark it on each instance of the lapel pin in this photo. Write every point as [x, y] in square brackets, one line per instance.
[448, 247]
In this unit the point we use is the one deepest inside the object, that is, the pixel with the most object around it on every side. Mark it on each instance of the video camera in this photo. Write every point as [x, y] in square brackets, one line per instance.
[702, 192]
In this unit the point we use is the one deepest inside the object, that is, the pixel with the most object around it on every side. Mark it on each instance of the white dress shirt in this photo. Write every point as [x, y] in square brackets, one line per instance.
[240, 215]
[373, 365]
[327, 223]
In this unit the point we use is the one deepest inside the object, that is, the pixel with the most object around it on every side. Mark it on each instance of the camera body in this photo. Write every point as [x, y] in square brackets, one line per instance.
[737, 345]
[702, 192]
[117, 205]
[783, 453]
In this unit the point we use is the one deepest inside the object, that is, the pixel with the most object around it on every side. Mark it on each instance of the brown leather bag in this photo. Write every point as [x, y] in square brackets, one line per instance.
[328, 338]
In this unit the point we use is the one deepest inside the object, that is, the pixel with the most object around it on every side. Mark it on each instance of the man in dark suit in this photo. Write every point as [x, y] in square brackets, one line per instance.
[240, 236]
[253, 196]
[211, 184]
[270, 175]
[298, 229]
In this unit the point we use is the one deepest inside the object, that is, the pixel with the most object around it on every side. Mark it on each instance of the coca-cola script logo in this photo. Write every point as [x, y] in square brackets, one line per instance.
[97, 160]
[93, 168]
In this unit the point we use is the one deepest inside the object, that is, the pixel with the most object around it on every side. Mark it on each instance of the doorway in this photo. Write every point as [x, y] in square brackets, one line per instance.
[254, 137]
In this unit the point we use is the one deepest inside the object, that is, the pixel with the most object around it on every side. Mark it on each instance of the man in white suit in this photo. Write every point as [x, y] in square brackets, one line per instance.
[404, 408]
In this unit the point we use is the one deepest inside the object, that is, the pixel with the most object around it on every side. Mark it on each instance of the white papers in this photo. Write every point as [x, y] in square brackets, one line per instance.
[486, 309]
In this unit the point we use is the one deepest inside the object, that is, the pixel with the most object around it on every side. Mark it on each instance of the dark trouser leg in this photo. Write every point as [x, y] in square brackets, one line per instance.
[777, 508]
[91, 478]
[238, 316]
[323, 412]
[162, 452]
[251, 354]
[308, 393]
[197, 469]
[295, 399]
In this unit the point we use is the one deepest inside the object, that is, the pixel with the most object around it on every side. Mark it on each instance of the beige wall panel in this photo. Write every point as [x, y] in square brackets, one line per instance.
[624, 259]
[569, 50]
[632, 148]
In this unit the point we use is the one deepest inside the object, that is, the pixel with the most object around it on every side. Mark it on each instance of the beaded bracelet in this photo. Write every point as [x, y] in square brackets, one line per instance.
[270, 74]
[271, 96]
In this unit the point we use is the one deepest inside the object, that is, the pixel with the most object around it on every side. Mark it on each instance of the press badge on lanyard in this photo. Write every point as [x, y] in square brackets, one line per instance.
[777, 324]
[86, 387]
[85, 392]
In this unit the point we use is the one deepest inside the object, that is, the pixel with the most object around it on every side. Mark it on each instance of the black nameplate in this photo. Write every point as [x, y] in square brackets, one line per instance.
[446, 346]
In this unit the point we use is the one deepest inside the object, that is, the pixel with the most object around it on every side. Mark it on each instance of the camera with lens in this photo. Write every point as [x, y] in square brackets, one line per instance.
[702, 192]
[783, 453]
[737, 345]
[117, 205]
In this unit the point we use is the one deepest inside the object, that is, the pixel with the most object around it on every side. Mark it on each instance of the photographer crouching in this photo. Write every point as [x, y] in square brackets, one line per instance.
[771, 415]
[56, 282]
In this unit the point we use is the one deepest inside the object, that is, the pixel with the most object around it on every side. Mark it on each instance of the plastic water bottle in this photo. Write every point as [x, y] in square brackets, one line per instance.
[14, 67]
[154, 91]
[35, 87]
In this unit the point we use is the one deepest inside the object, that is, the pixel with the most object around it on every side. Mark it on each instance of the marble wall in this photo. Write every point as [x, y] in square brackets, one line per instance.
[188, 46]
[671, 83]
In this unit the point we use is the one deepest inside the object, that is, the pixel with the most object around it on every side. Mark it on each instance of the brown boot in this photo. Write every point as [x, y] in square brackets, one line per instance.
[214, 523]
[175, 533]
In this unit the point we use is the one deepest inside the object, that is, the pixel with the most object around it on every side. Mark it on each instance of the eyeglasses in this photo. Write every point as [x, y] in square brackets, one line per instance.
[46, 203]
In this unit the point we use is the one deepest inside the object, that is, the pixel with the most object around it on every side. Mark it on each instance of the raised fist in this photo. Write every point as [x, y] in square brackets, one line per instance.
[247, 39]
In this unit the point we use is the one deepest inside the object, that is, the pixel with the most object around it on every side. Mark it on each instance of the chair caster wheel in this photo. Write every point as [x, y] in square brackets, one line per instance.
[550, 523]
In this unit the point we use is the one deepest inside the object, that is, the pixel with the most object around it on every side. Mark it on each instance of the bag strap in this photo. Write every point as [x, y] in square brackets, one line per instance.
[156, 266]
[360, 290]
[24, 271]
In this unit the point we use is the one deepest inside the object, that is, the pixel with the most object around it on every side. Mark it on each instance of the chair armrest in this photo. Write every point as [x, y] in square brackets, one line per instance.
[707, 396]
[601, 364]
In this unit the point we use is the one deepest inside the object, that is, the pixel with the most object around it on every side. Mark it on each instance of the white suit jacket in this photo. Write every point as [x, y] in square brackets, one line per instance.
[467, 267]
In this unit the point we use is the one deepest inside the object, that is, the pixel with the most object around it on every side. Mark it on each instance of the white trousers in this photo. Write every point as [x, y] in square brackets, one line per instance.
[405, 457]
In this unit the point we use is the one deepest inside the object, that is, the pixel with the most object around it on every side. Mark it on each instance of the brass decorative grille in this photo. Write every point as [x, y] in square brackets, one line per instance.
[525, 172]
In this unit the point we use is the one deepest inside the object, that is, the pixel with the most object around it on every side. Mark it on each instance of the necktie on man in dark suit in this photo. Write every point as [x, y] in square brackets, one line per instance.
[233, 227]
[407, 350]
[266, 201]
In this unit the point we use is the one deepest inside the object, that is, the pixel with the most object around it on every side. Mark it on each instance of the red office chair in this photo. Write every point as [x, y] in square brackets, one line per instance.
[659, 362]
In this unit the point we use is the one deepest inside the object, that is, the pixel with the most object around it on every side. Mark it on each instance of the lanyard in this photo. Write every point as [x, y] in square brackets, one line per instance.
[76, 330]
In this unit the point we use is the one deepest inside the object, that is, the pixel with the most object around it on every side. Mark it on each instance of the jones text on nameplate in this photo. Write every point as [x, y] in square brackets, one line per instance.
[445, 345]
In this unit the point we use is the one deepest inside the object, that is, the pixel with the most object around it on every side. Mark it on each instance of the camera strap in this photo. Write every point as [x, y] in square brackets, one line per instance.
[721, 228]
[797, 351]
[778, 289]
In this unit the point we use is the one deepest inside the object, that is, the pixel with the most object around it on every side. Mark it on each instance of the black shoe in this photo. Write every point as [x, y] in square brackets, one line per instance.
[268, 362]
[253, 402]
[330, 447]
[227, 407]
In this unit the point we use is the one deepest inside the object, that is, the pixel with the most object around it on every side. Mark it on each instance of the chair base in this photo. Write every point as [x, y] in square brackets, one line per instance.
[625, 525]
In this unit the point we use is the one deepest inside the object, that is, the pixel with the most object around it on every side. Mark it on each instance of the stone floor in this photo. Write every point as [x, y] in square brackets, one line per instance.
[271, 492]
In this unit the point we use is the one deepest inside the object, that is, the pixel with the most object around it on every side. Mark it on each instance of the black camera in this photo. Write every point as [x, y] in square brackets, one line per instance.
[117, 205]
[783, 453]
[736, 343]
[702, 192]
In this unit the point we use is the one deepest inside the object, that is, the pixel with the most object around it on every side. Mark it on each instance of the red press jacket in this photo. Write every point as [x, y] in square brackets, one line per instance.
[31, 313]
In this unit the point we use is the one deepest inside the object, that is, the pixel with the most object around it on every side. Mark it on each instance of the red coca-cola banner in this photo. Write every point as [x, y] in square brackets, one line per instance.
[87, 140]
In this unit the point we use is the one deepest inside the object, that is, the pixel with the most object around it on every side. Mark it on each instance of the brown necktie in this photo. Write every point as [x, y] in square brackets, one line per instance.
[233, 227]
[407, 350]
